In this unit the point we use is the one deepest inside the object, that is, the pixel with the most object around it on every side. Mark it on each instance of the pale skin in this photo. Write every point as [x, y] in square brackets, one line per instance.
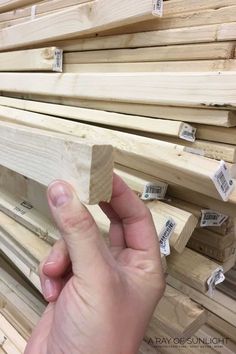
[101, 298]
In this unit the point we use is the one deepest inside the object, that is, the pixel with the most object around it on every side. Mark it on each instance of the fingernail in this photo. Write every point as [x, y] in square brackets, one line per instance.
[48, 289]
[53, 257]
[59, 194]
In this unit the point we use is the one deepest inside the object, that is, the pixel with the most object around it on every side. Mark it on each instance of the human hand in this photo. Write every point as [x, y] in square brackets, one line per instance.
[101, 298]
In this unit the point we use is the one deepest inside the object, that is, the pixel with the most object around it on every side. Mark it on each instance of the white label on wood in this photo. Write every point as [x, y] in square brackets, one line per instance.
[158, 7]
[154, 191]
[22, 208]
[58, 60]
[165, 236]
[188, 132]
[33, 12]
[216, 278]
[223, 181]
[194, 151]
[212, 218]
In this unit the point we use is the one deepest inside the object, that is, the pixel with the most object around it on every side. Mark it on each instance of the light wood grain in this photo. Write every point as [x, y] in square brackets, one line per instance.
[82, 19]
[185, 35]
[45, 59]
[186, 316]
[183, 66]
[191, 268]
[219, 134]
[7, 5]
[159, 126]
[154, 54]
[199, 17]
[137, 152]
[41, 8]
[87, 166]
[220, 304]
[61, 106]
[179, 89]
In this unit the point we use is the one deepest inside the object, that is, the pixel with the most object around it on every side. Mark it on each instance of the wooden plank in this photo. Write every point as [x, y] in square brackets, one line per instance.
[41, 225]
[183, 66]
[10, 332]
[227, 227]
[42, 7]
[20, 145]
[82, 19]
[212, 150]
[160, 126]
[209, 51]
[186, 316]
[199, 269]
[7, 5]
[10, 250]
[185, 35]
[179, 89]
[45, 59]
[32, 246]
[219, 304]
[65, 107]
[225, 328]
[213, 245]
[175, 6]
[138, 152]
[219, 134]
[222, 14]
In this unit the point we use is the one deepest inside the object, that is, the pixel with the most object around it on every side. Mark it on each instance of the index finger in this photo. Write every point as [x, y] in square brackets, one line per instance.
[138, 225]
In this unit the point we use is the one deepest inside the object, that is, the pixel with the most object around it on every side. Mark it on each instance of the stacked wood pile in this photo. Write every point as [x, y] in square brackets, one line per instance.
[92, 83]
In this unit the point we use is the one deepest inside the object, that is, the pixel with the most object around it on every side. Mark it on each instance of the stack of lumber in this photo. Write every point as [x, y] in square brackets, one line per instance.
[88, 87]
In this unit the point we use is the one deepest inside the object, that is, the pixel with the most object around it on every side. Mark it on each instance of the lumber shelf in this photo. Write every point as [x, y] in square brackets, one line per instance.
[136, 152]
[86, 165]
[81, 20]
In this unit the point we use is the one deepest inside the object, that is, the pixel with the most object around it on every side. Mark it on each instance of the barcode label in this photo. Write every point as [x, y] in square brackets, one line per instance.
[212, 218]
[216, 278]
[187, 132]
[154, 191]
[58, 60]
[157, 7]
[194, 151]
[223, 182]
[22, 208]
[165, 236]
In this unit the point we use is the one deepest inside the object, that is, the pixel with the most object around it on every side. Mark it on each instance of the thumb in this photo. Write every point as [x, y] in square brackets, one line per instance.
[79, 230]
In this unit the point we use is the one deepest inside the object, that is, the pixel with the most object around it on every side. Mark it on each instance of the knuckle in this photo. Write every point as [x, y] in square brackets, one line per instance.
[82, 221]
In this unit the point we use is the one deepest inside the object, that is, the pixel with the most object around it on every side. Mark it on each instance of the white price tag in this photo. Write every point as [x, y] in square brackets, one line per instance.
[188, 132]
[212, 218]
[223, 181]
[165, 236]
[194, 151]
[58, 60]
[154, 191]
[33, 12]
[157, 7]
[216, 278]
[22, 208]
